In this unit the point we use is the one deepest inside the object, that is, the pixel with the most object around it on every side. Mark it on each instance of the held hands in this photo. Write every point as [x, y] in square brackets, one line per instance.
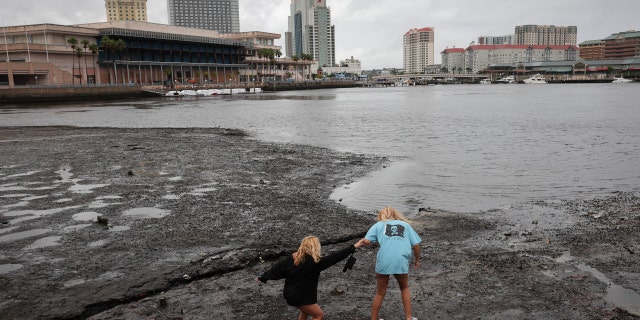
[362, 242]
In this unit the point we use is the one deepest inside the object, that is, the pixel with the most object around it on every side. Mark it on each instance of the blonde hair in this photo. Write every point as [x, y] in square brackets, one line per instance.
[310, 246]
[388, 213]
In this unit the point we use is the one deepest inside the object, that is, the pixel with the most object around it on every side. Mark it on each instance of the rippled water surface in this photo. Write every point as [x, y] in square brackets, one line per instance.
[458, 147]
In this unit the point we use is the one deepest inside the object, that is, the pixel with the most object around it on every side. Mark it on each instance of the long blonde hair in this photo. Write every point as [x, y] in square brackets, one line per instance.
[388, 213]
[310, 246]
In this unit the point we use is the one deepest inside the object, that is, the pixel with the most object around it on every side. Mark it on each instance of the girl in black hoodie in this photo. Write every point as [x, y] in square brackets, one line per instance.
[301, 271]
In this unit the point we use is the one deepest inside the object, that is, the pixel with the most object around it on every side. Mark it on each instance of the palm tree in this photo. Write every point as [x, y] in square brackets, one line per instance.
[306, 57]
[79, 55]
[93, 48]
[295, 59]
[112, 47]
[85, 46]
[74, 44]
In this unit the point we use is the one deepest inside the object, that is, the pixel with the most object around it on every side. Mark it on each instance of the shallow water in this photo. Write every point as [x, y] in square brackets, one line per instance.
[458, 147]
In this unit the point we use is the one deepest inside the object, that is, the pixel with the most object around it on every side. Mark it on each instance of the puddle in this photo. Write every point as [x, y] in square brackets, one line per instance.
[171, 197]
[85, 188]
[64, 200]
[16, 195]
[6, 268]
[75, 282]
[86, 216]
[616, 294]
[15, 205]
[98, 243]
[65, 173]
[23, 235]
[108, 197]
[33, 198]
[21, 174]
[75, 227]
[119, 228]
[33, 214]
[44, 242]
[178, 178]
[14, 187]
[5, 230]
[146, 213]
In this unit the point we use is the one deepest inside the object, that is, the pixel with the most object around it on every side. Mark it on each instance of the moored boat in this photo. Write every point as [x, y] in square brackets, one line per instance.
[621, 79]
[536, 78]
[507, 79]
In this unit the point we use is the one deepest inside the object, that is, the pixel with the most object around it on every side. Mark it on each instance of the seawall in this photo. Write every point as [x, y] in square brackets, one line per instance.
[60, 94]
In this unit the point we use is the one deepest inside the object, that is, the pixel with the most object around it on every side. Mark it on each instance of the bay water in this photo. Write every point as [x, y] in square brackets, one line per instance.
[463, 148]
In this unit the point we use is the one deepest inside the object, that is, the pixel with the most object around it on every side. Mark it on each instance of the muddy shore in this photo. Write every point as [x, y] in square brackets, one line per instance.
[105, 223]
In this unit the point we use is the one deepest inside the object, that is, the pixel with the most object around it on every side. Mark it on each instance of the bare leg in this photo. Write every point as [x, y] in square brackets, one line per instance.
[312, 310]
[405, 293]
[381, 290]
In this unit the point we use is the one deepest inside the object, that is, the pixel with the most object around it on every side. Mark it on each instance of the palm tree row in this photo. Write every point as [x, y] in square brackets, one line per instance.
[111, 48]
[303, 57]
[270, 54]
[79, 48]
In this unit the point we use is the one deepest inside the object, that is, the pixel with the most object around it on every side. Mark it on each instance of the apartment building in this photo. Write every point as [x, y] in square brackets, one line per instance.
[311, 32]
[479, 57]
[418, 47]
[506, 39]
[219, 15]
[546, 35]
[133, 10]
[453, 60]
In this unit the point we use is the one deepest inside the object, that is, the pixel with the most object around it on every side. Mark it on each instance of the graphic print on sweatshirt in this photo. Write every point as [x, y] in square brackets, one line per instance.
[394, 230]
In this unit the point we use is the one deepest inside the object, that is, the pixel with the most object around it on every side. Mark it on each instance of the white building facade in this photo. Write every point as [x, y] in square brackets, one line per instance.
[418, 49]
[453, 60]
[311, 31]
[479, 57]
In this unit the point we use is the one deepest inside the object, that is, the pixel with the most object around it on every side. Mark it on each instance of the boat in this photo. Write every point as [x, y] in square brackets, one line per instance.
[507, 79]
[621, 79]
[536, 78]
[485, 81]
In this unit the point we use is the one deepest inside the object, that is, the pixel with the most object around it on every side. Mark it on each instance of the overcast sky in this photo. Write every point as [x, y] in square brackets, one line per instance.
[372, 30]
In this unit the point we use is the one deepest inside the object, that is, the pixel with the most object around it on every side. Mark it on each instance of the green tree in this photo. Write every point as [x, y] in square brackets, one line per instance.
[74, 45]
[85, 46]
[93, 48]
[111, 48]
[295, 59]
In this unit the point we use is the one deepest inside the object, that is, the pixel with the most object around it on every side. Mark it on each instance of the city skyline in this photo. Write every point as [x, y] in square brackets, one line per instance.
[372, 30]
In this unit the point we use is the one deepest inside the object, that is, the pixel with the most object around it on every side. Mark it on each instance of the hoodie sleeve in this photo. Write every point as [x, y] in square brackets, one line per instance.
[278, 271]
[333, 258]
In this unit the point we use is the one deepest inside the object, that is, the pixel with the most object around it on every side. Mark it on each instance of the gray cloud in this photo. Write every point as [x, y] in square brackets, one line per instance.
[372, 30]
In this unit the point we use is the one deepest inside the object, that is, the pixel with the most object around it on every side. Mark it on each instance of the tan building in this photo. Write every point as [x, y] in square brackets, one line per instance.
[132, 10]
[41, 55]
[418, 49]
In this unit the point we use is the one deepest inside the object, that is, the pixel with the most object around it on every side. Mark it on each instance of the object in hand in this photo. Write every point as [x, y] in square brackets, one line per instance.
[350, 262]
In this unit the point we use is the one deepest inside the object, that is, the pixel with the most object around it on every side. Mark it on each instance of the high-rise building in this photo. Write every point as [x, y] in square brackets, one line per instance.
[219, 15]
[507, 39]
[311, 31]
[418, 49]
[546, 35]
[134, 10]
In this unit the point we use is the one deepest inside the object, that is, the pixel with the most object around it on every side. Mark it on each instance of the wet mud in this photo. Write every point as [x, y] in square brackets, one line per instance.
[103, 223]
